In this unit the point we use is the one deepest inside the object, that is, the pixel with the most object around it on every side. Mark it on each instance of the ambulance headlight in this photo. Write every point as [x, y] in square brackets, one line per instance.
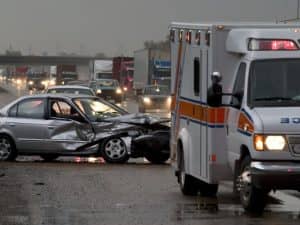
[275, 142]
[147, 100]
[30, 82]
[269, 142]
[98, 91]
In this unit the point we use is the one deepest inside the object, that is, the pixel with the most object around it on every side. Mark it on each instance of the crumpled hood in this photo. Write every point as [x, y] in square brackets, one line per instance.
[279, 120]
[139, 119]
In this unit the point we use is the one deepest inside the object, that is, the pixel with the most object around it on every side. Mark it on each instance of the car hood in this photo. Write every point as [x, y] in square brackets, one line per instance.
[282, 120]
[157, 96]
[138, 119]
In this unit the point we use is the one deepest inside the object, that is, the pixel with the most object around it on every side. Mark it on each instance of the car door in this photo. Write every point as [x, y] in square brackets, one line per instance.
[27, 123]
[234, 112]
[67, 129]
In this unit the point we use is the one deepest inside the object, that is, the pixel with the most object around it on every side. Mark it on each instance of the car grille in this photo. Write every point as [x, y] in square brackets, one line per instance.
[294, 143]
[108, 92]
[158, 100]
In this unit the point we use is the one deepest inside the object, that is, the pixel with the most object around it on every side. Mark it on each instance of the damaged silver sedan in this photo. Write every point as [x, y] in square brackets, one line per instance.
[71, 125]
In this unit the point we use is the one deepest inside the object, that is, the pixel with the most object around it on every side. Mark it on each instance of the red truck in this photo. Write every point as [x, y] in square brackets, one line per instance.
[65, 74]
[123, 71]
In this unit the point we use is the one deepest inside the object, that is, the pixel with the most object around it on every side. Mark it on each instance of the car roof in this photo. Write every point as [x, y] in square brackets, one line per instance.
[58, 95]
[158, 85]
[69, 87]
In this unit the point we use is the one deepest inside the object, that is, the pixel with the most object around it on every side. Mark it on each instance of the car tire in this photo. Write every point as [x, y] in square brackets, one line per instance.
[208, 190]
[157, 158]
[8, 151]
[114, 151]
[49, 158]
[188, 184]
[253, 199]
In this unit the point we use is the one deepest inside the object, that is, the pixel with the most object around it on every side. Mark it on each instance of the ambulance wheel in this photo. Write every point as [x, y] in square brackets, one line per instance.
[189, 185]
[252, 198]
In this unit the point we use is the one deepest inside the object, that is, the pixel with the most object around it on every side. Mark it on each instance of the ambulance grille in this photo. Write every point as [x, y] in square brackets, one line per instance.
[294, 143]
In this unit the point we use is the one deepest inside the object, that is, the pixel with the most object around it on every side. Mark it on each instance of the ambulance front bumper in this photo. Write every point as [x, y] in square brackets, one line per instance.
[276, 175]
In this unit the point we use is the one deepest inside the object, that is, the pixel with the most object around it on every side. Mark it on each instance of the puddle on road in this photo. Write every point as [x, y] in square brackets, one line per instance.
[212, 208]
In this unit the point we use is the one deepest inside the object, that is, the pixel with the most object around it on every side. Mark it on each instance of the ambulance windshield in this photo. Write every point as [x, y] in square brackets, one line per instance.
[274, 83]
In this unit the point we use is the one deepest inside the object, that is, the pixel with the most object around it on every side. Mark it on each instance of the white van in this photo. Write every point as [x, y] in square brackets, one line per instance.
[236, 108]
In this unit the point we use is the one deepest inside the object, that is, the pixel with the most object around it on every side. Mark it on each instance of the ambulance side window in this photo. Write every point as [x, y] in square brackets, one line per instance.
[197, 70]
[239, 86]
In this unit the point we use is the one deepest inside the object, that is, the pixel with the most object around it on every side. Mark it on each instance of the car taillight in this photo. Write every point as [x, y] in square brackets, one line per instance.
[272, 45]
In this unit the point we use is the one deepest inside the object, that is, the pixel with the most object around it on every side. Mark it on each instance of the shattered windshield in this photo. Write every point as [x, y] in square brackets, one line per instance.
[97, 110]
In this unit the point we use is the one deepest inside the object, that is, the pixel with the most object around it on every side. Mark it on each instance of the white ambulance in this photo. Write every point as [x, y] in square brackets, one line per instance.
[236, 108]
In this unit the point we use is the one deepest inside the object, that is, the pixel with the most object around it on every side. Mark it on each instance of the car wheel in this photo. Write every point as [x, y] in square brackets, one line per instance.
[8, 151]
[252, 198]
[49, 158]
[188, 184]
[208, 190]
[114, 151]
[157, 158]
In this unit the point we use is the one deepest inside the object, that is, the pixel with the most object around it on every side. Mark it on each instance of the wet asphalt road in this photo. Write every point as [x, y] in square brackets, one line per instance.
[65, 193]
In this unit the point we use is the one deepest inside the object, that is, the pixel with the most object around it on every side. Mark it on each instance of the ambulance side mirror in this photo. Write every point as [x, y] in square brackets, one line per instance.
[214, 95]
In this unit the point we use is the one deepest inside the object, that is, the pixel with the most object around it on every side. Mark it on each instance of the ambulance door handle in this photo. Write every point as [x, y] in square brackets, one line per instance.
[227, 129]
[188, 122]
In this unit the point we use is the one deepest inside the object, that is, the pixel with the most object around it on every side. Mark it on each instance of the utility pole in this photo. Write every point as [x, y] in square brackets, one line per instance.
[298, 5]
[297, 18]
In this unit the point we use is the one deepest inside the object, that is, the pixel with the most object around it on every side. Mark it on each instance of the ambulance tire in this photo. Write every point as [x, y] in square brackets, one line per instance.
[253, 199]
[189, 185]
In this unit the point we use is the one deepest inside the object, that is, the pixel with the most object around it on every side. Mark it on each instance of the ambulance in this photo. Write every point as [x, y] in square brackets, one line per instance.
[236, 108]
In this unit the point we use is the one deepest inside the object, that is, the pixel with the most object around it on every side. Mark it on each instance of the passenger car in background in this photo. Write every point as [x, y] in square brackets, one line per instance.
[53, 125]
[108, 89]
[154, 97]
[70, 89]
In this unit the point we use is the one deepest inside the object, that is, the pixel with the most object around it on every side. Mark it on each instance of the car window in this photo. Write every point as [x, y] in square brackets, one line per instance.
[62, 109]
[33, 108]
[13, 111]
[156, 90]
[97, 110]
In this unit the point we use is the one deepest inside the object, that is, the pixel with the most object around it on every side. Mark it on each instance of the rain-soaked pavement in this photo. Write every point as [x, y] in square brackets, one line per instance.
[92, 192]
[87, 191]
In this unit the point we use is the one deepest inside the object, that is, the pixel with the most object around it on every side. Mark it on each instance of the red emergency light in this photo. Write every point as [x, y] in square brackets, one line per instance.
[272, 45]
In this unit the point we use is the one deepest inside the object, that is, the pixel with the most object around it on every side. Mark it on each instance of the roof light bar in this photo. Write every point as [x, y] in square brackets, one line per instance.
[198, 37]
[188, 37]
[172, 35]
[272, 45]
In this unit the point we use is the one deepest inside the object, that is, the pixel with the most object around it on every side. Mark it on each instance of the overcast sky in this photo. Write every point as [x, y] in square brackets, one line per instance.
[117, 26]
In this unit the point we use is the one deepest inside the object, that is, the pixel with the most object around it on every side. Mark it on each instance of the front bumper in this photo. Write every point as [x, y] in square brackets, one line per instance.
[276, 175]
